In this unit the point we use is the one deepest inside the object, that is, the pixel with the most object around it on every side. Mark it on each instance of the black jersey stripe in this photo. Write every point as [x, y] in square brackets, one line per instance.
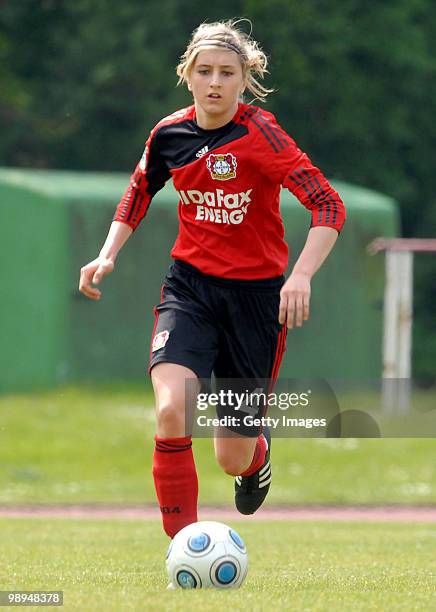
[127, 199]
[326, 206]
[133, 207]
[330, 202]
[265, 123]
[299, 180]
[312, 195]
[283, 135]
[268, 138]
[134, 186]
[318, 190]
[335, 209]
[320, 211]
[318, 201]
[127, 212]
[249, 112]
[288, 140]
[316, 187]
[297, 176]
[310, 189]
[141, 209]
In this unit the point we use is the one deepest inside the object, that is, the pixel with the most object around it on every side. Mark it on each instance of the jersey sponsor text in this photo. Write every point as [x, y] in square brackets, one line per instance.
[215, 206]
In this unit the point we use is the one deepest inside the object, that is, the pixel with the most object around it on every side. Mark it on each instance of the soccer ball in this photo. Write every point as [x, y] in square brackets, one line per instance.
[207, 554]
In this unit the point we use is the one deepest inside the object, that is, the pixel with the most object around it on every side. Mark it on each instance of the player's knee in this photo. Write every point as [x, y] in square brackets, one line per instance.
[171, 419]
[233, 466]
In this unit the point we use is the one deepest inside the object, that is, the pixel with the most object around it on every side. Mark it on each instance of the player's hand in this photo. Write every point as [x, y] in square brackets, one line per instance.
[294, 300]
[93, 273]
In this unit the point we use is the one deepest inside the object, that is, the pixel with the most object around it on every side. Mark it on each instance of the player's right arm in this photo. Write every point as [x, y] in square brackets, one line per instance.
[104, 264]
[149, 177]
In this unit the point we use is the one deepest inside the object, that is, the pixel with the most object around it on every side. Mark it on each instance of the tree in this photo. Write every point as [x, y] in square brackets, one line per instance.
[83, 82]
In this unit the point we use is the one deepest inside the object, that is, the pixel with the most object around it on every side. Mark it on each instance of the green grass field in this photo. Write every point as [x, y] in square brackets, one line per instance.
[76, 445]
[119, 565]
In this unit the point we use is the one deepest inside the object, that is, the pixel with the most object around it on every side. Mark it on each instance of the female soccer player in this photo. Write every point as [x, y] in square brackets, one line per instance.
[225, 306]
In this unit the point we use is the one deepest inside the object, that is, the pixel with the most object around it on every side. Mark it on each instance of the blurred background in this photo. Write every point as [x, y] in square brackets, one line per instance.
[81, 85]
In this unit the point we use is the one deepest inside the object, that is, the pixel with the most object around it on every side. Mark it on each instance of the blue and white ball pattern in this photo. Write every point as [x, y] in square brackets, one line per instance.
[226, 572]
[207, 554]
[199, 543]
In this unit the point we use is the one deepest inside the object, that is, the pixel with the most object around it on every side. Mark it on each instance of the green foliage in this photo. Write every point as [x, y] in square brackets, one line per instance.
[350, 77]
[83, 82]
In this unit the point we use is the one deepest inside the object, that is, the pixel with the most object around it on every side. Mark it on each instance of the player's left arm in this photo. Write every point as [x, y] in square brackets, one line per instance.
[310, 186]
[295, 293]
[286, 164]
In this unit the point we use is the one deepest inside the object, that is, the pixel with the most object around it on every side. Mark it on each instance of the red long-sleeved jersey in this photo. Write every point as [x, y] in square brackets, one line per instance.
[229, 182]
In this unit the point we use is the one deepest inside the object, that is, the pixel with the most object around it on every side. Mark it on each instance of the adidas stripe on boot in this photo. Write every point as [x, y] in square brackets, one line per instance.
[250, 491]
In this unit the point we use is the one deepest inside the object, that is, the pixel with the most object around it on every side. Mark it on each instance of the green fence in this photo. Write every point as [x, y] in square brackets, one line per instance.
[54, 222]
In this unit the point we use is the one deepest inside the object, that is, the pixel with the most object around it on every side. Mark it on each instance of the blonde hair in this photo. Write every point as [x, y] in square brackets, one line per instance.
[225, 34]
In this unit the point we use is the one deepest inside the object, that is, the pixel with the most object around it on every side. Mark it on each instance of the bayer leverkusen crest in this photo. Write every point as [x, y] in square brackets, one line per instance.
[222, 167]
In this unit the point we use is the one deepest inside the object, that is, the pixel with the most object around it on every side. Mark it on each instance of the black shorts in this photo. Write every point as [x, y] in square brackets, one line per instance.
[222, 326]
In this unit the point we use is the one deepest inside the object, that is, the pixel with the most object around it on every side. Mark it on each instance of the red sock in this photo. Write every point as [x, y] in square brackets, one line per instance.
[259, 456]
[176, 482]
